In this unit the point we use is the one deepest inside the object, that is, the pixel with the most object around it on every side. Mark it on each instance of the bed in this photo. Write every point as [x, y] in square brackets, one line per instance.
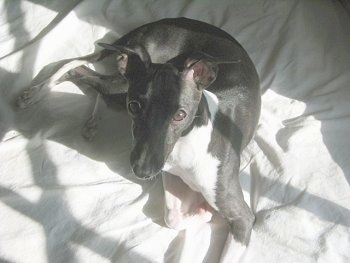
[65, 199]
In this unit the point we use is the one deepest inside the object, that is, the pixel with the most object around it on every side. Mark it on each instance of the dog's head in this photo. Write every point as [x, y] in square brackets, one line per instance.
[162, 101]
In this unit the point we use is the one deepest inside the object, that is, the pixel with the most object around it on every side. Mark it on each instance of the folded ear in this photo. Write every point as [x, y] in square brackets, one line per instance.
[128, 57]
[201, 71]
[200, 68]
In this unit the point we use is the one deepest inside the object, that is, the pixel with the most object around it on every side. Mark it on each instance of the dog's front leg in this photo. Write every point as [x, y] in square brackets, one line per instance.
[89, 129]
[50, 76]
[183, 206]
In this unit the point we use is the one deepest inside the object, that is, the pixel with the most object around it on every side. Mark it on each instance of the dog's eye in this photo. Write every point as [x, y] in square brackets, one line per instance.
[179, 115]
[134, 107]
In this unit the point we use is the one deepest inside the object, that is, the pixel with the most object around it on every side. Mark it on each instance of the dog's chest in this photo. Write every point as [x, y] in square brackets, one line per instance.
[191, 160]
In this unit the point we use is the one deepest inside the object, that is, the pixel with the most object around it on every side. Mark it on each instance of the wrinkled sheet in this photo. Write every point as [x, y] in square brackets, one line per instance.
[63, 199]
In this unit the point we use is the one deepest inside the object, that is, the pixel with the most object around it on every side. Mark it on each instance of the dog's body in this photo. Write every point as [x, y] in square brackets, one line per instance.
[193, 94]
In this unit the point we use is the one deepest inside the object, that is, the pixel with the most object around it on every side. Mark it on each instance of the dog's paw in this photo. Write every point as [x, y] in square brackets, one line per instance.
[203, 215]
[176, 220]
[29, 97]
[89, 129]
[71, 75]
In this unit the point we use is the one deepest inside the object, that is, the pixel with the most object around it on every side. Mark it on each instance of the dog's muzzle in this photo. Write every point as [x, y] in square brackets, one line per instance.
[145, 165]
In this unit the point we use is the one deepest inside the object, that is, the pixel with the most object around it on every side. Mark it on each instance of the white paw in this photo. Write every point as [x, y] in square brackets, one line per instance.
[173, 219]
[176, 220]
[205, 217]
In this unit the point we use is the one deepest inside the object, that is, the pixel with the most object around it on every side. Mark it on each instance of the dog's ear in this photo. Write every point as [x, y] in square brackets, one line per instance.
[122, 62]
[201, 68]
[202, 71]
[129, 58]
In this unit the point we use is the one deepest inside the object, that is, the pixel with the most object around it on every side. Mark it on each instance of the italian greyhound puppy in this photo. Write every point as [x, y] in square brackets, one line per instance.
[193, 95]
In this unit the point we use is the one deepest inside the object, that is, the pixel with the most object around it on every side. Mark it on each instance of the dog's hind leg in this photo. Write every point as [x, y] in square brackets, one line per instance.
[48, 77]
[232, 207]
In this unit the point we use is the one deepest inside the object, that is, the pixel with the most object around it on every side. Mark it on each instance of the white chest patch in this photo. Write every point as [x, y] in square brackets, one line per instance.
[191, 161]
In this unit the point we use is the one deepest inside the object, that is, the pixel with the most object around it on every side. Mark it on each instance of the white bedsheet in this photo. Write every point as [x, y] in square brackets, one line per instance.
[63, 199]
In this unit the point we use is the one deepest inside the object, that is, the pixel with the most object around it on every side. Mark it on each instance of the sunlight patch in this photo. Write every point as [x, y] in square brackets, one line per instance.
[84, 254]
[67, 87]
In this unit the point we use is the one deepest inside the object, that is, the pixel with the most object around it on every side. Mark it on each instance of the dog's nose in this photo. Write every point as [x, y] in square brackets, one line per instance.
[143, 172]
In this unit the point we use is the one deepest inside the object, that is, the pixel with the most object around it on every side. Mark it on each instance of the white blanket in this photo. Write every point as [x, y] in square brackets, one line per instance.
[63, 199]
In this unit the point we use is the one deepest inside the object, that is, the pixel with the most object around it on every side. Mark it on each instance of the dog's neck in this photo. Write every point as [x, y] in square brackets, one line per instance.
[202, 116]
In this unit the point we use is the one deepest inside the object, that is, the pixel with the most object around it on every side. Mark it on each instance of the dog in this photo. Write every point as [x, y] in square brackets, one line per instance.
[194, 99]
